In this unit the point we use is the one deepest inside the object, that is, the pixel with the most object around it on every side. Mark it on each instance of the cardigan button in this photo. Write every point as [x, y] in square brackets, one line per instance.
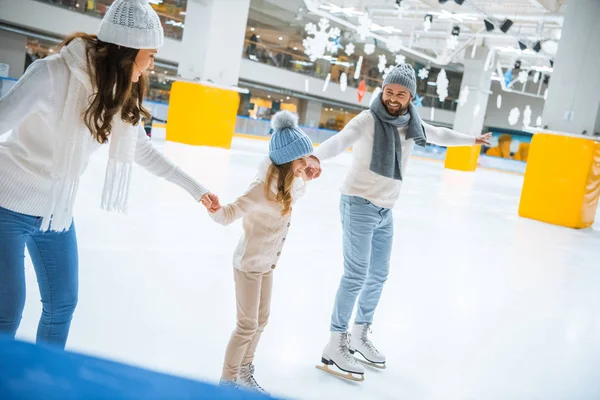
[288, 225]
[273, 266]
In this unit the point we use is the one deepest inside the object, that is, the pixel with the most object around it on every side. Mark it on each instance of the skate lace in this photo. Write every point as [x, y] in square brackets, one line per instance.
[344, 347]
[249, 377]
[365, 339]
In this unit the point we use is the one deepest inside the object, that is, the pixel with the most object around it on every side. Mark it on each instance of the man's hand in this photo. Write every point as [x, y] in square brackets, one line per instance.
[211, 202]
[483, 139]
[313, 167]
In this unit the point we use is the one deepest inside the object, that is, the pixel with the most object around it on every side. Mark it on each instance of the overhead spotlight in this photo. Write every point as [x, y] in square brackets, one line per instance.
[518, 64]
[427, 22]
[399, 3]
[488, 25]
[552, 63]
[546, 79]
[506, 25]
[459, 2]
[455, 30]
[537, 46]
[522, 45]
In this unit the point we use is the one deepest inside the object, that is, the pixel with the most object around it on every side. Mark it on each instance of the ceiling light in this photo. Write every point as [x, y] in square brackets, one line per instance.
[269, 96]
[258, 36]
[287, 97]
[280, 38]
[251, 29]
[166, 72]
[506, 25]
[152, 72]
[295, 48]
[488, 25]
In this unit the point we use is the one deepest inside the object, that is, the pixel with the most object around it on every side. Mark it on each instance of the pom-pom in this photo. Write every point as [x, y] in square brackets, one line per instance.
[284, 119]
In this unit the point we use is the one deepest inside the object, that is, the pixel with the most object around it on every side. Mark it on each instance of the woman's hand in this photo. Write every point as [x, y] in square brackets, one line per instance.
[211, 202]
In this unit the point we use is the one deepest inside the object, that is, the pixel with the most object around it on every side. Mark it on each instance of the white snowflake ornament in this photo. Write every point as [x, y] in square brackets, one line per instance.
[427, 25]
[343, 81]
[536, 77]
[464, 96]
[327, 79]
[358, 67]
[394, 44]
[369, 48]
[499, 101]
[382, 63]
[316, 46]
[538, 121]
[423, 73]
[387, 71]
[349, 50]
[527, 116]
[546, 94]
[522, 76]
[400, 59]
[513, 116]
[364, 26]
[442, 85]
[476, 110]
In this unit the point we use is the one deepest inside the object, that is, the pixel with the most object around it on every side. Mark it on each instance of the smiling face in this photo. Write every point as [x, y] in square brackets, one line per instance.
[143, 61]
[395, 99]
[298, 166]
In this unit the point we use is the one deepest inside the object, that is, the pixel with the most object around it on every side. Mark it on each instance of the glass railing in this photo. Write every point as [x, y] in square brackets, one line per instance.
[291, 60]
[171, 12]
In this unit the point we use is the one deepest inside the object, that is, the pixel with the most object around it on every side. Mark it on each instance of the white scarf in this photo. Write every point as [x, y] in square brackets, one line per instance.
[71, 150]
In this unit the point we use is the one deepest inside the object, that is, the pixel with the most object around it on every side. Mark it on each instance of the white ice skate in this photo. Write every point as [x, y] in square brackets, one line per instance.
[337, 352]
[361, 344]
[246, 379]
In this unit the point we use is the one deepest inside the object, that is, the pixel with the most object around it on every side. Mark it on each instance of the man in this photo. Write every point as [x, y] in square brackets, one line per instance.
[382, 139]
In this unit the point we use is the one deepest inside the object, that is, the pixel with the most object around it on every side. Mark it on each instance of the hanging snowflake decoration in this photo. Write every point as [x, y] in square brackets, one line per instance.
[327, 79]
[451, 42]
[382, 63]
[427, 24]
[423, 73]
[317, 45]
[442, 85]
[343, 81]
[527, 116]
[400, 59]
[418, 101]
[538, 121]
[513, 116]
[364, 26]
[522, 76]
[394, 44]
[546, 94]
[464, 96]
[358, 67]
[387, 71]
[536, 77]
[499, 101]
[349, 50]
[369, 48]
[476, 110]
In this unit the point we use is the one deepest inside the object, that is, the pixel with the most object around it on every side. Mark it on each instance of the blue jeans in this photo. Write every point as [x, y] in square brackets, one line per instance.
[55, 259]
[368, 234]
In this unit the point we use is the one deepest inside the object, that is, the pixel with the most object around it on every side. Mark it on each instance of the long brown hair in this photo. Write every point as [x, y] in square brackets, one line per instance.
[111, 67]
[285, 181]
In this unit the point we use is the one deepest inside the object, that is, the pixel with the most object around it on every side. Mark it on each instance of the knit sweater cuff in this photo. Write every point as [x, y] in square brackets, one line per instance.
[188, 183]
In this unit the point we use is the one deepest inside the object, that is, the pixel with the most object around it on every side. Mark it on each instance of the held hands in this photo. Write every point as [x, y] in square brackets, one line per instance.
[211, 202]
[483, 139]
[313, 167]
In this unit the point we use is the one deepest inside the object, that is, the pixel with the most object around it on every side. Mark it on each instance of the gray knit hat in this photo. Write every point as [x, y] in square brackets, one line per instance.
[133, 24]
[288, 142]
[403, 74]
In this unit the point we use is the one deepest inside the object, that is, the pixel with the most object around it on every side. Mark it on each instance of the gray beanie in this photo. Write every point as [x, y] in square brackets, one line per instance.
[403, 74]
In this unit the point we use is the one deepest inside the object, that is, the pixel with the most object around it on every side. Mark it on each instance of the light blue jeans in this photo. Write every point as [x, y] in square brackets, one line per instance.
[55, 259]
[368, 235]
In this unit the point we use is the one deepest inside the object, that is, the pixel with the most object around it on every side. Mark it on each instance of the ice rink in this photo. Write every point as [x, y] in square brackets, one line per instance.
[480, 304]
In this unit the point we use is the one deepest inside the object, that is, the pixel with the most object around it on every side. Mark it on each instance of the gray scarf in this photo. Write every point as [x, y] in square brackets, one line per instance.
[386, 158]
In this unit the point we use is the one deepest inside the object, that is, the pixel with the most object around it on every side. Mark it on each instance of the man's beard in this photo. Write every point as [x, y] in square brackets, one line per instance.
[395, 113]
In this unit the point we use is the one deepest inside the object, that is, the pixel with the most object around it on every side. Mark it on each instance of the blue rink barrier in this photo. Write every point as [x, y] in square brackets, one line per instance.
[28, 372]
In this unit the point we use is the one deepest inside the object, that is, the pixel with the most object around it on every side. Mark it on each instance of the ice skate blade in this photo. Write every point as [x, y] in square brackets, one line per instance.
[370, 364]
[347, 375]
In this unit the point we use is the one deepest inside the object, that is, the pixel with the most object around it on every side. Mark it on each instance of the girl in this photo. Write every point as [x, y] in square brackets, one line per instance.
[266, 209]
[61, 111]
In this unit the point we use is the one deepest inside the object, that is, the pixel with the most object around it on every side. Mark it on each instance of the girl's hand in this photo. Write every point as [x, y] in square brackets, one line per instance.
[211, 202]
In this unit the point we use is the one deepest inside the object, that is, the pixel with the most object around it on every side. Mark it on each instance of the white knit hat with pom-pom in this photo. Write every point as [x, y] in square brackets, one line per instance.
[133, 24]
[288, 142]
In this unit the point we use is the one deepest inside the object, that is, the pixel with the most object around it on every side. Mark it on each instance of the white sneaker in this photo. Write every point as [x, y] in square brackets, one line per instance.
[360, 343]
[246, 379]
[337, 352]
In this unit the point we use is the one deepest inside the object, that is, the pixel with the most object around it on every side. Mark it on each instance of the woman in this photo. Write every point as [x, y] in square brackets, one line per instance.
[62, 110]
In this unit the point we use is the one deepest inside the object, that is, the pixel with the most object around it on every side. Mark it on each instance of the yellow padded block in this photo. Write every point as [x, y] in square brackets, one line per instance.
[463, 158]
[562, 180]
[201, 115]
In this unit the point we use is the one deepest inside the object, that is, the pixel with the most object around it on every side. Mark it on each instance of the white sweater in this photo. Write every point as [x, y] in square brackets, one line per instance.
[363, 182]
[30, 110]
[264, 228]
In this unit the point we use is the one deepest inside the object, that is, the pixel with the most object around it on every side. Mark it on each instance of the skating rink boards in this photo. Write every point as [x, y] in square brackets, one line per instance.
[480, 304]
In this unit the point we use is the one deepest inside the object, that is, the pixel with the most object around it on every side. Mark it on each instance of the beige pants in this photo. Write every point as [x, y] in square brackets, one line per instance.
[253, 297]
